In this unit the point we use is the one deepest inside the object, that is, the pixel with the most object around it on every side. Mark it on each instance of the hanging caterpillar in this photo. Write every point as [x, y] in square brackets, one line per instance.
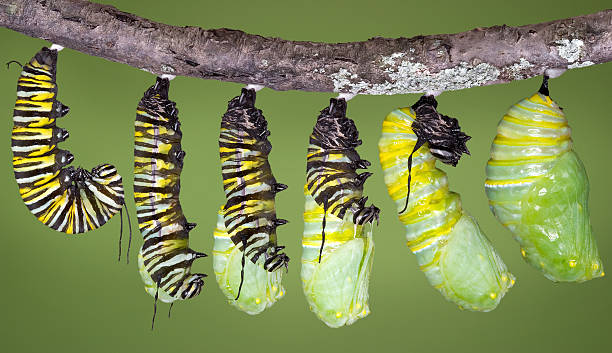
[67, 199]
[250, 187]
[538, 189]
[451, 250]
[165, 259]
[261, 288]
[337, 250]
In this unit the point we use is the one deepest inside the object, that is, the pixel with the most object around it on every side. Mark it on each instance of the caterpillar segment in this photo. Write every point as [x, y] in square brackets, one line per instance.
[64, 198]
[337, 244]
[250, 188]
[165, 259]
[456, 257]
[538, 188]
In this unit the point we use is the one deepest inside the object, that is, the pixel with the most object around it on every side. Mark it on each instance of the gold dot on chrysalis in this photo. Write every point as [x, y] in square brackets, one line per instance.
[523, 252]
[493, 295]
[572, 263]
[358, 306]
[338, 315]
[512, 281]
[257, 300]
[595, 266]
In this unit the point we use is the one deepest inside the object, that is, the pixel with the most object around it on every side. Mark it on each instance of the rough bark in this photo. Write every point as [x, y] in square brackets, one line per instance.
[479, 57]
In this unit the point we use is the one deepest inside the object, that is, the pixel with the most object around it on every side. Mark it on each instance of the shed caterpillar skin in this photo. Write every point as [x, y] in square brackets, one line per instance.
[250, 187]
[538, 189]
[67, 199]
[337, 242]
[165, 259]
[451, 250]
[261, 288]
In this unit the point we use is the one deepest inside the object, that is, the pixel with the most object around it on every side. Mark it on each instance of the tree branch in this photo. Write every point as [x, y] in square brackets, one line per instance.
[482, 56]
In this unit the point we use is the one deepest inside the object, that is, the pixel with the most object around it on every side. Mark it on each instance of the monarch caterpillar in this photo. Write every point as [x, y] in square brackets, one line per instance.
[261, 288]
[337, 250]
[67, 199]
[451, 250]
[538, 189]
[250, 187]
[165, 259]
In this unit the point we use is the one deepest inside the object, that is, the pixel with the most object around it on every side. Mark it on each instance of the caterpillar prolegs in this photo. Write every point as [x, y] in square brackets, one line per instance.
[451, 250]
[165, 259]
[538, 189]
[337, 242]
[67, 199]
[249, 213]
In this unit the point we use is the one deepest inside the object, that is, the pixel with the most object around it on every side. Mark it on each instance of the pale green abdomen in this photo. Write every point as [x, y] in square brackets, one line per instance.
[550, 219]
[337, 288]
[260, 289]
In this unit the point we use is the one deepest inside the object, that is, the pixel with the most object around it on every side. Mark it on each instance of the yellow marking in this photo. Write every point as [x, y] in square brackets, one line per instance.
[493, 295]
[595, 266]
[530, 141]
[257, 300]
[338, 315]
[572, 263]
[511, 181]
[522, 160]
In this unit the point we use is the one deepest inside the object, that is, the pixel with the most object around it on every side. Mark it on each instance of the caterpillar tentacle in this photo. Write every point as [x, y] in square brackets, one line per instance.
[67, 199]
[165, 259]
[337, 250]
[538, 189]
[451, 250]
[249, 215]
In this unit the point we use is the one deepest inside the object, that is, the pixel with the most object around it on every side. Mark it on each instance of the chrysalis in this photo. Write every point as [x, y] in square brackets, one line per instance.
[249, 215]
[67, 199]
[451, 250]
[538, 189]
[165, 259]
[337, 242]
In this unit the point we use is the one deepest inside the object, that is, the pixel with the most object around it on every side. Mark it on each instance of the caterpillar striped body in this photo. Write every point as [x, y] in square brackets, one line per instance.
[538, 189]
[337, 242]
[250, 188]
[67, 199]
[451, 250]
[261, 288]
[165, 259]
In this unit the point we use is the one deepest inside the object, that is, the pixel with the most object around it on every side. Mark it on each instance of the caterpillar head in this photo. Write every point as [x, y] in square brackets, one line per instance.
[275, 259]
[446, 140]
[366, 214]
[333, 129]
[105, 174]
[192, 285]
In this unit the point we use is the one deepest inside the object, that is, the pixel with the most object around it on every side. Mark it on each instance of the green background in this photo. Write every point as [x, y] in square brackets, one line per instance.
[69, 294]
